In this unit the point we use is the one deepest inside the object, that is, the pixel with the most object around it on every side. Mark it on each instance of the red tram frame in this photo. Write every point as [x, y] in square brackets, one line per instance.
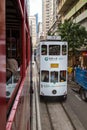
[21, 95]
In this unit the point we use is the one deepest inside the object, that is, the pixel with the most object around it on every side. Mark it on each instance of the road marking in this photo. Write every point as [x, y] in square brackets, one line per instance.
[78, 97]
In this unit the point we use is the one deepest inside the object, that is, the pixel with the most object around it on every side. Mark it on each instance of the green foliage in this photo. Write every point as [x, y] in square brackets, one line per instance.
[73, 33]
[48, 33]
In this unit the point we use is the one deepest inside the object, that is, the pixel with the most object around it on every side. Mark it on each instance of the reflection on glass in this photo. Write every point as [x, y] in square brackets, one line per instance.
[45, 76]
[54, 76]
[44, 49]
[11, 83]
[62, 75]
[64, 50]
[54, 49]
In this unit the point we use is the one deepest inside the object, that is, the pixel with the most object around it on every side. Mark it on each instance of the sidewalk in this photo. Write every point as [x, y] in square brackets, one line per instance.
[74, 86]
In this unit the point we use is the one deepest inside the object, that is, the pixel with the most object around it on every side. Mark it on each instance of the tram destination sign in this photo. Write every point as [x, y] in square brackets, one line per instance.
[54, 38]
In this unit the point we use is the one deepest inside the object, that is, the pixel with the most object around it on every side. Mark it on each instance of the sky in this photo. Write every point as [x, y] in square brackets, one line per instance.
[36, 7]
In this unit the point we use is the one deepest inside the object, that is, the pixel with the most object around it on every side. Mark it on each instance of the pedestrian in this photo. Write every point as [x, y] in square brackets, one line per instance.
[70, 69]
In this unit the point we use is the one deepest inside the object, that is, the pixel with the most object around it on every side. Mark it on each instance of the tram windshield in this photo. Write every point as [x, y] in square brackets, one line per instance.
[54, 76]
[54, 49]
[64, 49]
[45, 76]
[62, 75]
[44, 49]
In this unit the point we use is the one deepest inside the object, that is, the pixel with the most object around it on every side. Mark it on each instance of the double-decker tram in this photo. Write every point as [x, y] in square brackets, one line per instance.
[52, 65]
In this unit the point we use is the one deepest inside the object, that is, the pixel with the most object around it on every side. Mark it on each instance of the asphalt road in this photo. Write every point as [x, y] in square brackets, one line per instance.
[78, 106]
[75, 103]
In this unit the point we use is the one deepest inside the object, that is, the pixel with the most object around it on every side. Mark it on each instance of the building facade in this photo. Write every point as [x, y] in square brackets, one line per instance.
[36, 15]
[45, 16]
[39, 29]
[28, 7]
[49, 16]
[75, 10]
[32, 22]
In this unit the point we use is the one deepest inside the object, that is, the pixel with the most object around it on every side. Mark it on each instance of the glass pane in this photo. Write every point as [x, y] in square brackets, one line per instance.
[54, 76]
[62, 75]
[45, 76]
[44, 50]
[54, 50]
[64, 50]
[12, 76]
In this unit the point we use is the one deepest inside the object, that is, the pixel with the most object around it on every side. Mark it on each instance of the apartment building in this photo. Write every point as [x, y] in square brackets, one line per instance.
[45, 16]
[77, 11]
[73, 9]
[48, 14]
[32, 23]
[39, 29]
[28, 7]
[36, 15]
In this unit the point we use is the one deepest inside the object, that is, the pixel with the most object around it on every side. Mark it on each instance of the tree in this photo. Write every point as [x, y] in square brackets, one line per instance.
[74, 34]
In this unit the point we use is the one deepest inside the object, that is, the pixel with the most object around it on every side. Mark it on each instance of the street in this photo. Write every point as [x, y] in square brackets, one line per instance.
[75, 109]
[78, 106]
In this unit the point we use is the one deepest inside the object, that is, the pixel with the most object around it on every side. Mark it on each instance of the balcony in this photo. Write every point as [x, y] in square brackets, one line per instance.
[63, 5]
[81, 17]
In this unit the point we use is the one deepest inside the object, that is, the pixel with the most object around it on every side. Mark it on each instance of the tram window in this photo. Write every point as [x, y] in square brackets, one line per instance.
[54, 49]
[12, 76]
[11, 47]
[54, 76]
[64, 50]
[45, 76]
[62, 75]
[44, 49]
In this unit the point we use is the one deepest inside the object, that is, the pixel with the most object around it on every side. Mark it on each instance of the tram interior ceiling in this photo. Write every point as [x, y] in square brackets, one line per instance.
[13, 46]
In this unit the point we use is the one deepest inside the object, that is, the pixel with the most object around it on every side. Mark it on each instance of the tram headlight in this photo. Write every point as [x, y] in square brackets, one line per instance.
[8, 93]
[54, 91]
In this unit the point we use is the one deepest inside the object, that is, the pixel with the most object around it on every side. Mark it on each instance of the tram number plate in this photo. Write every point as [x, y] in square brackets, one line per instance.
[54, 65]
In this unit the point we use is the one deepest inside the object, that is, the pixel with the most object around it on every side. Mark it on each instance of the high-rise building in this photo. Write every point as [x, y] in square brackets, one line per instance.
[28, 7]
[36, 15]
[45, 16]
[32, 22]
[48, 14]
[54, 11]
[73, 9]
[40, 29]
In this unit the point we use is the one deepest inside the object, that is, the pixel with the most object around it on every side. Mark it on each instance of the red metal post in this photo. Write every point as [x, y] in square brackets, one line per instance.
[23, 41]
[2, 67]
[21, 105]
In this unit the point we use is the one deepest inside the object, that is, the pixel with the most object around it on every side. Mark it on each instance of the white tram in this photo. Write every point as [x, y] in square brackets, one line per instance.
[51, 61]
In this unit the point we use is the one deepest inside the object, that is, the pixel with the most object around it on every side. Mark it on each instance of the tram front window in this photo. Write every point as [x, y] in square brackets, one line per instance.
[45, 76]
[54, 76]
[44, 49]
[64, 50]
[63, 76]
[54, 49]
[12, 76]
